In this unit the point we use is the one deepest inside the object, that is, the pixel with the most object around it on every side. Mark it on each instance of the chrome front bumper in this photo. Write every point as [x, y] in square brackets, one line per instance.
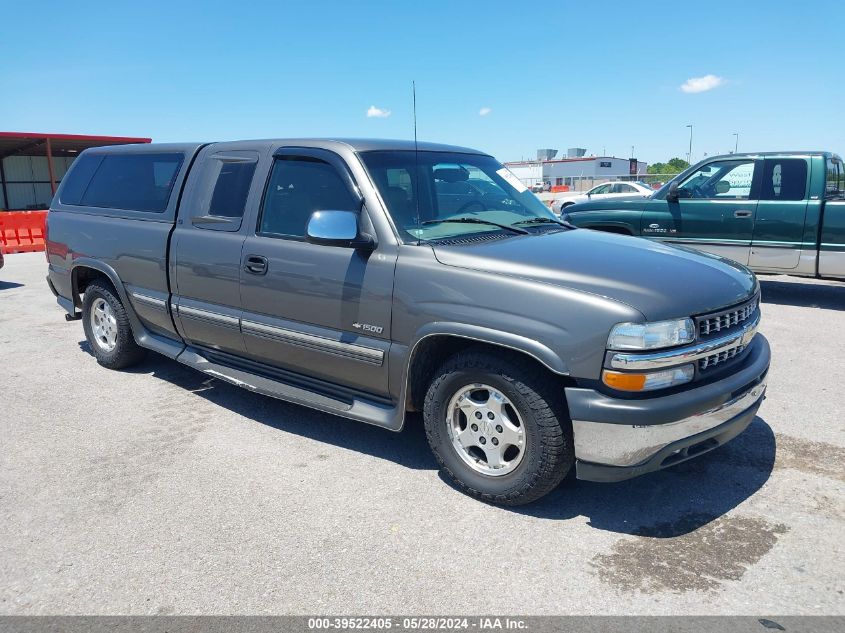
[618, 438]
[629, 445]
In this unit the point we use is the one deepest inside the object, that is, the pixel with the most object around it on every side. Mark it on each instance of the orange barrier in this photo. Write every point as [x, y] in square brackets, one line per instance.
[560, 188]
[22, 231]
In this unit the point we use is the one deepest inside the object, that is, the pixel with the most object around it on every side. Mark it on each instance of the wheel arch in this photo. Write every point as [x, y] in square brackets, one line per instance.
[611, 227]
[434, 346]
[85, 271]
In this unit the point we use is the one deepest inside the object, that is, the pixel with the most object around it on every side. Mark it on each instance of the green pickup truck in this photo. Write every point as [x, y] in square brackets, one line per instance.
[777, 212]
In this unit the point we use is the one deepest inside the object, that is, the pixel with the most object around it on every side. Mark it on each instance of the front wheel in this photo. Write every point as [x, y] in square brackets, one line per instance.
[498, 426]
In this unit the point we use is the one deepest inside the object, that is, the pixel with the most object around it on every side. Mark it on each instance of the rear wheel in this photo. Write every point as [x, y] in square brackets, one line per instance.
[107, 328]
[498, 426]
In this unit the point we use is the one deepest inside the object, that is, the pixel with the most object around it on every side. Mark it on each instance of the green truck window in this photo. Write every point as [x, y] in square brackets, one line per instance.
[784, 179]
[835, 185]
[728, 179]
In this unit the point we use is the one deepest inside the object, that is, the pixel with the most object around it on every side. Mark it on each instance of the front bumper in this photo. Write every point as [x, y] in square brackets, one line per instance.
[617, 439]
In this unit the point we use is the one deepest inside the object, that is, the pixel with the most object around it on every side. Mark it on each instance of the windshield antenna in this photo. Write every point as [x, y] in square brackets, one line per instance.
[416, 160]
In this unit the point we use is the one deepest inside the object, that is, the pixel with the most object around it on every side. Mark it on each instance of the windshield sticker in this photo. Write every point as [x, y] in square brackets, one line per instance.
[512, 180]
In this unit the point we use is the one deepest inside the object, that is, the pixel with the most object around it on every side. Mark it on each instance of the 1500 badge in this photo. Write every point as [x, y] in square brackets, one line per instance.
[366, 327]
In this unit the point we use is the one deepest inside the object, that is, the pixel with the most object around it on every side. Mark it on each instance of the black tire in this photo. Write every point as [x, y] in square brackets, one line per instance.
[126, 351]
[539, 402]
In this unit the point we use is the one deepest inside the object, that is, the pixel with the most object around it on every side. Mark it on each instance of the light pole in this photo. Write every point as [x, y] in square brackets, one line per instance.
[689, 156]
[736, 143]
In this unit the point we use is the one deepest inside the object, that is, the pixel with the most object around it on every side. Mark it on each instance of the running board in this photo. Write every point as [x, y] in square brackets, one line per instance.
[383, 415]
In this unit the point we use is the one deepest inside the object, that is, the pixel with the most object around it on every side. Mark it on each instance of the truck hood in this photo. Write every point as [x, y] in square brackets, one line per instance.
[659, 280]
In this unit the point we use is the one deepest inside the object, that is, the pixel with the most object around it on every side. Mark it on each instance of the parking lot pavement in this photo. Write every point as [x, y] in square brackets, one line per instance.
[159, 490]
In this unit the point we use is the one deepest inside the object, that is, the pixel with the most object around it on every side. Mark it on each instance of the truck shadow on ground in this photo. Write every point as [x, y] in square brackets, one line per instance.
[665, 504]
[805, 295]
[671, 502]
[6, 285]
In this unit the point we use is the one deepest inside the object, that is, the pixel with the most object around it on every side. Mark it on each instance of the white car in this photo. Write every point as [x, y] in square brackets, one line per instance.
[606, 190]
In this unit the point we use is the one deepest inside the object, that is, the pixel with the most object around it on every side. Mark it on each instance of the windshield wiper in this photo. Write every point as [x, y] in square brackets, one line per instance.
[540, 220]
[506, 227]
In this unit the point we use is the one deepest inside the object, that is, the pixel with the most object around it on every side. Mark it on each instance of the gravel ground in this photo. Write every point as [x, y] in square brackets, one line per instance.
[161, 491]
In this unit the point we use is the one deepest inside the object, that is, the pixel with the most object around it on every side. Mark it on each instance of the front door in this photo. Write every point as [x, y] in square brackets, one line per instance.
[313, 309]
[714, 211]
[779, 227]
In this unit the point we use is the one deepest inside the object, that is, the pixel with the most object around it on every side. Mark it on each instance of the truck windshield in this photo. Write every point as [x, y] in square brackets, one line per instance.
[424, 190]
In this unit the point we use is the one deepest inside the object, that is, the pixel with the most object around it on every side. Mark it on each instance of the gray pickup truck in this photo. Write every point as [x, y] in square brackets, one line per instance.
[366, 279]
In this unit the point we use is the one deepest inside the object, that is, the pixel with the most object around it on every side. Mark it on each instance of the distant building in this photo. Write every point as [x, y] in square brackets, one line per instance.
[577, 173]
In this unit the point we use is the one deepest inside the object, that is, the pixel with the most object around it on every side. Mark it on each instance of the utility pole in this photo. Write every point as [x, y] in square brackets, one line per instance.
[736, 143]
[689, 156]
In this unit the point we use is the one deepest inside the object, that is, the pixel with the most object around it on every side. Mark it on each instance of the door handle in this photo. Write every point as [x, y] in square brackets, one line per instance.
[256, 264]
[742, 213]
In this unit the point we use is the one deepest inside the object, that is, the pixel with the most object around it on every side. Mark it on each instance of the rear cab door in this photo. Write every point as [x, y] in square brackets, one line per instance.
[208, 240]
[781, 214]
[714, 211]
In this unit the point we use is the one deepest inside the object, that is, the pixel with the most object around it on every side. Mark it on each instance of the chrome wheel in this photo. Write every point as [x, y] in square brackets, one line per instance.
[103, 325]
[486, 430]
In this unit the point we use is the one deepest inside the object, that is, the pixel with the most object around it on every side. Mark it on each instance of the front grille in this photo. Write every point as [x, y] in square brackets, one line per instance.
[726, 319]
[714, 359]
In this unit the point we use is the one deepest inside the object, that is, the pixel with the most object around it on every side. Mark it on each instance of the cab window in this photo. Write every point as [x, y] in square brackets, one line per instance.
[728, 179]
[784, 179]
[835, 181]
[299, 186]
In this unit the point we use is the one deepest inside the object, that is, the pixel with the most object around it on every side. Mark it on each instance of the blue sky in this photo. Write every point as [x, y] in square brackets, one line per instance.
[604, 76]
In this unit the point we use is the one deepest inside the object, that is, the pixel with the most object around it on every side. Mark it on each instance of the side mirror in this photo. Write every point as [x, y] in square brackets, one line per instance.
[337, 228]
[672, 194]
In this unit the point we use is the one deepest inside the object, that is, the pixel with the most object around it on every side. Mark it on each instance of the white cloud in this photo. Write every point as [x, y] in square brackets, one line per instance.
[485, 111]
[702, 84]
[378, 113]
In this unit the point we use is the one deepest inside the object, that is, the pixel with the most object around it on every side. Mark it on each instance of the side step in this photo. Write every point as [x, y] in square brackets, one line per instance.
[383, 415]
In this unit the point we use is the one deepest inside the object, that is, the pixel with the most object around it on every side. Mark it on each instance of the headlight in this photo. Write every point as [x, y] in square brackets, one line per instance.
[643, 336]
[650, 381]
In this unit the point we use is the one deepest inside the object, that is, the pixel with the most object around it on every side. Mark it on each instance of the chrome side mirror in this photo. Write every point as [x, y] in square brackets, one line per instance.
[337, 228]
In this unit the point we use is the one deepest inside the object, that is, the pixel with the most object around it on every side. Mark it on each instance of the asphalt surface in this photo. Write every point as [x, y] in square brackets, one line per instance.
[159, 490]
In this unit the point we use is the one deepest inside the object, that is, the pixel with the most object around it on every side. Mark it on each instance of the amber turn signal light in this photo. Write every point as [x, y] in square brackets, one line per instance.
[624, 382]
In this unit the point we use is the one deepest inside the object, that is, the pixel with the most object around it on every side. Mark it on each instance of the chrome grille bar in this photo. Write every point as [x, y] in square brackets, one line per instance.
[712, 323]
[689, 353]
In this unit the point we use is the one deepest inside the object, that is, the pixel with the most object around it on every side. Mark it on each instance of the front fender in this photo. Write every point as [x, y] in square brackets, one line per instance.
[531, 347]
[597, 219]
